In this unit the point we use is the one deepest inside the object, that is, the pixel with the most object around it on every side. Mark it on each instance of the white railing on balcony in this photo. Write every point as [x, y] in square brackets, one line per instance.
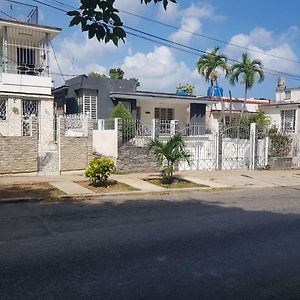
[23, 59]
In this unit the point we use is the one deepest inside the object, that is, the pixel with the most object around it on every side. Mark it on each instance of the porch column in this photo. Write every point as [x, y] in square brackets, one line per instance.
[5, 50]
[197, 114]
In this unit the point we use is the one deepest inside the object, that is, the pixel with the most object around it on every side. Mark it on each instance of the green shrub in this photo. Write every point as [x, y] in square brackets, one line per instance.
[99, 170]
[281, 143]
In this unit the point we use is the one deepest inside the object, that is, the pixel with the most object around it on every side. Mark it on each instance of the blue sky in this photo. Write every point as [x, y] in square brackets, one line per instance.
[268, 27]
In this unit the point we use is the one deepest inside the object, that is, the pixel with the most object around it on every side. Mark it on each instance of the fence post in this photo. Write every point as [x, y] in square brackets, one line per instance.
[120, 131]
[59, 131]
[153, 129]
[218, 147]
[253, 145]
[173, 125]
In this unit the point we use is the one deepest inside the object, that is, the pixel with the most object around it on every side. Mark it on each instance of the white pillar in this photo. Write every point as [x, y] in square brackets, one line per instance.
[153, 129]
[252, 145]
[173, 125]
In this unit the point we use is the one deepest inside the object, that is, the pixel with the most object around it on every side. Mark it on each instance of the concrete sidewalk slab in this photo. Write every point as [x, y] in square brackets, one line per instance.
[137, 183]
[71, 188]
[209, 183]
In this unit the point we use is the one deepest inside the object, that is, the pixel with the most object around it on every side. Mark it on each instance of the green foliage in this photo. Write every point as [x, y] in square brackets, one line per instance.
[128, 124]
[97, 75]
[120, 111]
[101, 19]
[188, 88]
[247, 69]
[281, 143]
[209, 64]
[260, 119]
[116, 73]
[169, 154]
[99, 170]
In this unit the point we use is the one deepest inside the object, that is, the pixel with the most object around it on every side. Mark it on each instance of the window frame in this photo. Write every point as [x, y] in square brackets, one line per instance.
[164, 113]
[284, 118]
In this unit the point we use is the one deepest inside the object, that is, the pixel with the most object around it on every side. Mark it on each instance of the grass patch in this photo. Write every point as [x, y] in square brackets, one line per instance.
[111, 186]
[40, 191]
[176, 184]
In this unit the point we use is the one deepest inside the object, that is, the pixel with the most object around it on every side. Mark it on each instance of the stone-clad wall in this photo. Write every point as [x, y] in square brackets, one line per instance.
[136, 159]
[75, 152]
[18, 154]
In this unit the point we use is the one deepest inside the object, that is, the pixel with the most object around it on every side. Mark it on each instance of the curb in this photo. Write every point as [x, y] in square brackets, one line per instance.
[19, 200]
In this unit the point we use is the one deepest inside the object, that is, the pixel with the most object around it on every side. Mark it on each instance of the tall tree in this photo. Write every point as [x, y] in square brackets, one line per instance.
[116, 73]
[209, 65]
[101, 19]
[246, 72]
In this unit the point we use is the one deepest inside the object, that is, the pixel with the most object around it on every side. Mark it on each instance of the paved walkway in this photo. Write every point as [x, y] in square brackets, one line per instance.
[214, 179]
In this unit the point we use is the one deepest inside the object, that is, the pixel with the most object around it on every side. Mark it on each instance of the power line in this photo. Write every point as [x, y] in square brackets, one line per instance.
[7, 15]
[55, 57]
[207, 37]
[269, 71]
[22, 3]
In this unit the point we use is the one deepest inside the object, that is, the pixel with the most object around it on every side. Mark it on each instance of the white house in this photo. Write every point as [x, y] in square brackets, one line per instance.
[25, 81]
[285, 111]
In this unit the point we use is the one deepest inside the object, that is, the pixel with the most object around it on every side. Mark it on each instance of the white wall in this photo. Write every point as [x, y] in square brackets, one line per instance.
[180, 111]
[18, 83]
[105, 142]
[295, 95]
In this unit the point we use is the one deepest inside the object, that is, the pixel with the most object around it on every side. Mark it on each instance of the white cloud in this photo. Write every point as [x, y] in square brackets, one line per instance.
[267, 47]
[158, 70]
[191, 20]
[188, 27]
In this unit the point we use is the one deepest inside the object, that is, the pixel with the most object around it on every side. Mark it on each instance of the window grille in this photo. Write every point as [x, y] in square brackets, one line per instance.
[288, 120]
[29, 108]
[164, 113]
[87, 104]
[3, 109]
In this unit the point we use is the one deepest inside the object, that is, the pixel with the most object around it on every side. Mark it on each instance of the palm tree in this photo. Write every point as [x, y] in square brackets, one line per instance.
[247, 69]
[208, 66]
[169, 154]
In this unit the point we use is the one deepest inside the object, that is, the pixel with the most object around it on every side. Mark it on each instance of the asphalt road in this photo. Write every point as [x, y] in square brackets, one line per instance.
[226, 245]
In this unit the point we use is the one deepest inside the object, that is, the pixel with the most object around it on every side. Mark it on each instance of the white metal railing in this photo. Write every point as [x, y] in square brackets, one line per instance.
[27, 59]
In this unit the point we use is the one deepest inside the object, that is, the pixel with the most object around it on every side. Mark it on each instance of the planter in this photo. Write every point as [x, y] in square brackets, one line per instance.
[280, 163]
[182, 93]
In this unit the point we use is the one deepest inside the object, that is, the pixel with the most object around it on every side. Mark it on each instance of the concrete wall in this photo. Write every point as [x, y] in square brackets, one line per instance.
[19, 154]
[27, 84]
[148, 111]
[105, 142]
[75, 153]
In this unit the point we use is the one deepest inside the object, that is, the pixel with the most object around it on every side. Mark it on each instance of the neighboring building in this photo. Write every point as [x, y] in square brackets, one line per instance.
[25, 81]
[285, 112]
[232, 109]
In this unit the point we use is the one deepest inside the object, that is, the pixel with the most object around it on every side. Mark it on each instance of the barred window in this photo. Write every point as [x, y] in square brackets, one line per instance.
[87, 104]
[3, 109]
[164, 113]
[288, 120]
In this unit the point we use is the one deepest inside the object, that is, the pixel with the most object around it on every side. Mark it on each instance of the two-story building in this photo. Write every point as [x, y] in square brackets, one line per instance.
[25, 81]
[285, 111]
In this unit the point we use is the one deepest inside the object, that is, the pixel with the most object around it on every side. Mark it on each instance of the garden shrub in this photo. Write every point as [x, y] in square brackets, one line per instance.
[99, 170]
[280, 143]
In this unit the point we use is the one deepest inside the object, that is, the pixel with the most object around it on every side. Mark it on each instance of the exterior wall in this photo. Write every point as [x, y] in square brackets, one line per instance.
[103, 86]
[295, 95]
[105, 142]
[19, 154]
[27, 84]
[75, 152]
[46, 123]
[180, 111]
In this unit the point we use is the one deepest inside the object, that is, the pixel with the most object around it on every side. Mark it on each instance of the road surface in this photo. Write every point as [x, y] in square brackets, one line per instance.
[225, 245]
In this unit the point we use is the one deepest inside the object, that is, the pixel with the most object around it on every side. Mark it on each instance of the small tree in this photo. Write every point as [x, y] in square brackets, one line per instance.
[281, 143]
[121, 112]
[137, 82]
[169, 154]
[116, 73]
[99, 170]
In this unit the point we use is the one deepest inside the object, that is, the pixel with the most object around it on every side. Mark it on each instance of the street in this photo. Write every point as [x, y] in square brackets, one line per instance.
[242, 244]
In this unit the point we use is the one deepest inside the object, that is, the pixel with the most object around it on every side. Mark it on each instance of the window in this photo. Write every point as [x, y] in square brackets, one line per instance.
[288, 95]
[288, 120]
[127, 105]
[87, 104]
[26, 61]
[164, 113]
[3, 108]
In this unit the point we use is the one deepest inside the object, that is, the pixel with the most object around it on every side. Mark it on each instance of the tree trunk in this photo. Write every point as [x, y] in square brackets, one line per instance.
[222, 104]
[212, 92]
[245, 100]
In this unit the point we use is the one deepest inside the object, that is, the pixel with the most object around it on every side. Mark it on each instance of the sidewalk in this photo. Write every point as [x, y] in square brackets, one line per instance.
[214, 179]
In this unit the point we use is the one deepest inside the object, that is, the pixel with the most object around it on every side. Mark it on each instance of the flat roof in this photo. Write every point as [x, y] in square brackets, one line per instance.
[148, 96]
[281, 103]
